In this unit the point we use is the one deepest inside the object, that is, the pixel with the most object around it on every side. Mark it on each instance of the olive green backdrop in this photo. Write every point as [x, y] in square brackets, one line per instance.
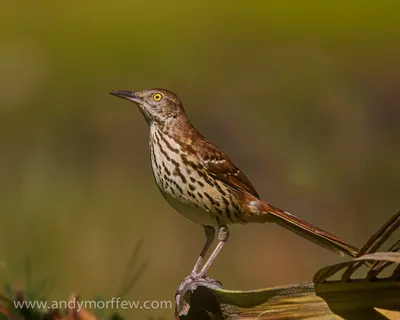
[302, 95]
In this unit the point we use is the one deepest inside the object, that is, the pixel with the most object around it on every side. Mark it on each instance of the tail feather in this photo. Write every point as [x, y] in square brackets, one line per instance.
[307, 230]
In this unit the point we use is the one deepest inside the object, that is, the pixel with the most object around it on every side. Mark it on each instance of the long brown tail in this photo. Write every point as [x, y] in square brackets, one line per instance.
[305, 229]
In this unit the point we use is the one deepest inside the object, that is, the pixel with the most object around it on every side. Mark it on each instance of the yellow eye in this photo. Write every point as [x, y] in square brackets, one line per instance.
[157, 97]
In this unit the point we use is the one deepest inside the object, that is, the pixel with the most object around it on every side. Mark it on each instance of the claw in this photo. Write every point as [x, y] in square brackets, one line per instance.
[195, 277]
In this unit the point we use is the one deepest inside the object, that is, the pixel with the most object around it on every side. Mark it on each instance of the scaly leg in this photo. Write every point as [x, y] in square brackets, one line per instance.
[223, 236]
[210, 235]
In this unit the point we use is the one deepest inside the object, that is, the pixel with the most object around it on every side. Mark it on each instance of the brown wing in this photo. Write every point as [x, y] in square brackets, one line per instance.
[220, 167]
[214, 162]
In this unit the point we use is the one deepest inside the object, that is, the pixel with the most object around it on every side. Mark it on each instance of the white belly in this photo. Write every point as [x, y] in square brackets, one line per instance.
[197, 215]
[183, 187]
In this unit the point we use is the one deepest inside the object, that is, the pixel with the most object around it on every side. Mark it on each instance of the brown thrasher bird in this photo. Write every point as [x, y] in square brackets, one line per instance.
[203, 184]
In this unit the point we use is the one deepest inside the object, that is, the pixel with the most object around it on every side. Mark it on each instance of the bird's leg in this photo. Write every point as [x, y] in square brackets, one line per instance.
[223, 235]
[210, 235]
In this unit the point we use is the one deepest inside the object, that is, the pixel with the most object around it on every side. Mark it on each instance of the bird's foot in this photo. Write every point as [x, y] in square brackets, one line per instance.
[196, 277]
[181, 304]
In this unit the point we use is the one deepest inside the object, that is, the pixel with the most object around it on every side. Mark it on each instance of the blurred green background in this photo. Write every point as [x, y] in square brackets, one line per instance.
[302, 95]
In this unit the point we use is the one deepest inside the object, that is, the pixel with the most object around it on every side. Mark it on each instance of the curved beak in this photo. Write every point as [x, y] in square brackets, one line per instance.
[132, 96]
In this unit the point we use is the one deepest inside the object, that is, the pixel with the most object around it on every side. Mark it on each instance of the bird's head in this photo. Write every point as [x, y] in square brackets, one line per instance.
[156, 105]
